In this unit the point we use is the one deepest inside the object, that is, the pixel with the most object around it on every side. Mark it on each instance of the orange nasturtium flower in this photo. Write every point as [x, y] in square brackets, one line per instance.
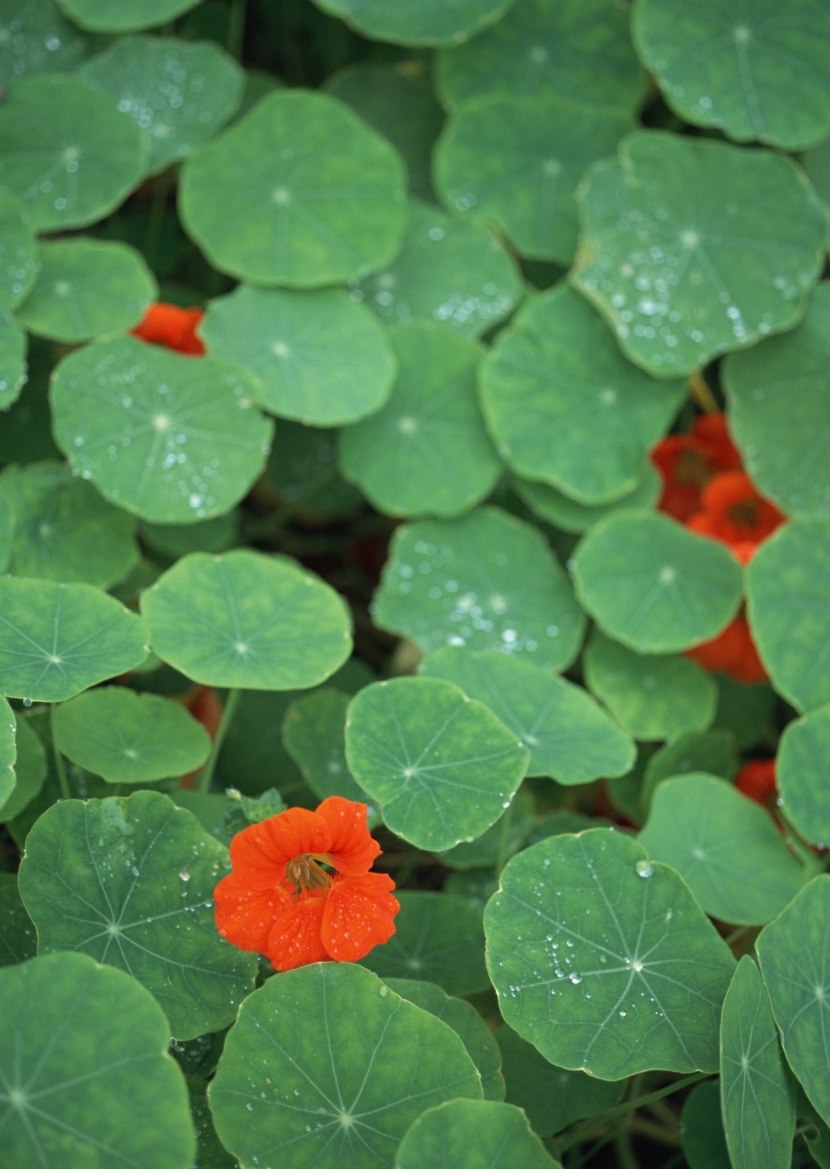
[172, 327]
[301, 891]
[734, 512]
[756, 779]
[687, 462]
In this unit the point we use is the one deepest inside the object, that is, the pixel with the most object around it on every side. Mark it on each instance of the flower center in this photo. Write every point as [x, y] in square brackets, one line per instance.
[745, 514]
[307, 871]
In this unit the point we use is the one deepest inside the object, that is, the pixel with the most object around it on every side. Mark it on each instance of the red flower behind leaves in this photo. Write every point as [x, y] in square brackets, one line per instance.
[733, 512]
[172, 327]
[301, 891]
[732, 653]
[687, 462]
[757, 780]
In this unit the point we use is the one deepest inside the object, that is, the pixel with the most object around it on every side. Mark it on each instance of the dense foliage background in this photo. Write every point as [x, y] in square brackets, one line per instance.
[423, 403]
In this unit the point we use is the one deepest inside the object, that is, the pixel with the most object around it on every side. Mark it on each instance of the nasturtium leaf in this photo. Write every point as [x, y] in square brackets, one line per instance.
[653, 696]
[426, 452]
[569, 737]
[401, 107]
[516, 161]
[604, 960]
[174, 439]
[500, 841]
[577, 49]
[710, 751]
[123, 15]
[127, 737]
[87, 1078]
[64, 530]
[12, 361]
[552, 1097]
[18, 252]
[725, 846]
[175, 540]
[744, 711]
[756, 1099]
[313, 734]
[486, 581]
[59, 639]
[741, 68]
[791, 951]
[570, 516]
[428, 22]
[801, 774]
[653, 585]
[299, 192]
[35, 38]
[777, 395]
[701, 1128]
[682, 279]
[247, 620]
[448, 270]
[178, 93]
[130, 882]
[253, 758]
[788, 602]
[303, 470]
[467, 1023]
[8, 751]
[30, 770]
[486, 1133]
[443, 768]
[18, 941]
[317, 357]
[474, 887]
[437, 937]
[565, 407]
[68, 155]
[86, 288]
[364, 1064]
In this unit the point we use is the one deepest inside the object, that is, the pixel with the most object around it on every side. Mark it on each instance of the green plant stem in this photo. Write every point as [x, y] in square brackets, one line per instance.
[63, 779]
[701, 393]
[206, 778]
[236, 28]
[665, 1134]
[622, 1146]
[590, 1127]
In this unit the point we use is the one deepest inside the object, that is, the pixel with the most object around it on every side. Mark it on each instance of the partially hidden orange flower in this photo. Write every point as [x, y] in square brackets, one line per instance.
[300, 889]
[687, 462]
[734, 512]
[172, 327]
[732, 652]
[756, 779]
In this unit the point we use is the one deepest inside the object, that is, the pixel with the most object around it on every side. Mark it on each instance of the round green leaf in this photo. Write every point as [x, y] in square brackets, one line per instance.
[30, 769]
[494, 1135]
[789, 610]
[516, 161]
[777, 396]
[18, 252]
[756, 1099]
[426, 451]
[741, 69]
[399, 106]
[569, 516]
[313, 733]
[428, 22]
[448, 270]
[437, 937]
[130, 738]
[564, 406]
[486, 581]
[653, 585]
[653, 697]
[125, 15]
[35, 38]
[552, 1097]
[86, 288]
[801, 773]
[247, 620]
[681, 279]
[64, 530]
[604, 960]
[68, 155]
[130, 882]
[12, 361]
[492, 848]
[577, 49]
[725, 846]
[791, 951]
[171, 438]
[316, 355]
[364, 1064]
[568, 736]
[178, 93]
[467, 1023]
[443, 768]
[709, 751]
[299, 192]
[86, 1075]
[59, 639]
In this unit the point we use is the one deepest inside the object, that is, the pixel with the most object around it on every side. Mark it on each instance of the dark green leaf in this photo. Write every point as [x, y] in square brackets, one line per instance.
[485, 1132]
